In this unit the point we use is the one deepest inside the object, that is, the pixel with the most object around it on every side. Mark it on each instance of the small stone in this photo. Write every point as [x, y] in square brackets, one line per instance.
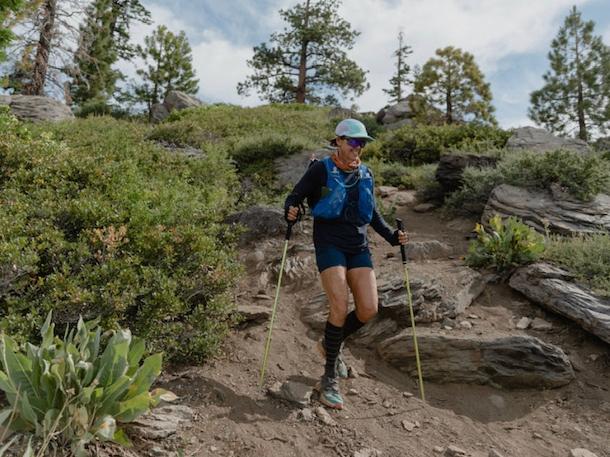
[352, 392]
[213, 449]
[454, 451]
[593, 357]
[465, 325]
[581, 452]
[494, 453]
[537, 435]
[324, 416]
[447, 327]
[424, 207]
[352, 373]
[524, 323]
[306, 415]
[541, 324]
[407, 394]
[437, 450]
[473, 316]
[367, 452]
[408, 426]
[387, 404]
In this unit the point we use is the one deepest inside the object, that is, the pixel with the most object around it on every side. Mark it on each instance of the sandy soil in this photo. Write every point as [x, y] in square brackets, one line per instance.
[236, 417]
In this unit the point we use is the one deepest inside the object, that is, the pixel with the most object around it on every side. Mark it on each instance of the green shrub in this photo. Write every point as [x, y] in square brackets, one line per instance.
[586, 256]
[77, 389]
[476, 187]
[425, 144]
[255, 155]
[582, 175]
[504, 245]
[99, 222]
[420, 177]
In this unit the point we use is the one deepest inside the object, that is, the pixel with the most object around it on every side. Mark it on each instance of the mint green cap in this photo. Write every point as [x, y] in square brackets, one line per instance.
[352, 128]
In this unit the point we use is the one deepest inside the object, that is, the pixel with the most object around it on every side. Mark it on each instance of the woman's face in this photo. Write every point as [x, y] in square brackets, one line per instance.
[350, 148]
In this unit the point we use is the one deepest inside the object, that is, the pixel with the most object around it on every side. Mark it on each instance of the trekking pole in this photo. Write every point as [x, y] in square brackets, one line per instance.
[403, 253]
[277, 296]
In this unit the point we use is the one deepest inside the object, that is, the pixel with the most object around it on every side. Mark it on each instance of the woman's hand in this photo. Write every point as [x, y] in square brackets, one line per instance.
[403, 238]
[293, 213]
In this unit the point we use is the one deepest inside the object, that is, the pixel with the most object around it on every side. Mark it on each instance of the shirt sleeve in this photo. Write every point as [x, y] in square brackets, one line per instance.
[309, 186]
[381, 226]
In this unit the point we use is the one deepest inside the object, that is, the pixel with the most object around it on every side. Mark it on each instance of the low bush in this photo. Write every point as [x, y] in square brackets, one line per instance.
[72, 391]
[425, 144]
[582, 175]
[95, 221]
[477, 184]
[586, 256]
[504, 245]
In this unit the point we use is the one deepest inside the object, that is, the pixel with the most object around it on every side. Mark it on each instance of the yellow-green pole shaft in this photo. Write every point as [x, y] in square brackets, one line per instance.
[273, 310]
[410, 300]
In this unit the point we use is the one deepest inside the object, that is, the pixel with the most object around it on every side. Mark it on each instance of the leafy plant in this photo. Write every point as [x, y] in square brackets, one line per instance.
[74, 390]
[504, 245]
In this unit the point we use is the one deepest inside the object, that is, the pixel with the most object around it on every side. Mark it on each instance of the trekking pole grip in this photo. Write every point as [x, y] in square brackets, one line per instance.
[403, 252]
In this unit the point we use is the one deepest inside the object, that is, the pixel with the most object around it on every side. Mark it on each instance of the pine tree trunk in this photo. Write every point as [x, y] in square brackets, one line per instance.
[580, 110]
[41, 63]
[301, 85]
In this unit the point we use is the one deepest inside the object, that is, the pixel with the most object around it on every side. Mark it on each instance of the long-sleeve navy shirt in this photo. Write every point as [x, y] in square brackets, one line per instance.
[346, 232]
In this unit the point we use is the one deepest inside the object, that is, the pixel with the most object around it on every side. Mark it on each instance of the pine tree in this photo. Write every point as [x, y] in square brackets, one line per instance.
[400, 80]
[104, 38]
[7, 9]
[47, 32]
[453, 83]
[168, 63]
[576, 93]
[307, 62]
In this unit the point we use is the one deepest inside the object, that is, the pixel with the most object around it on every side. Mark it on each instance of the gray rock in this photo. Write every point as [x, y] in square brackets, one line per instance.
[555, 289]
[523, 323]
[161, 422]
[324, 416]
[555, 211]
[254, 313]
[541, 324]
[293, 392]
[508, 361]
[424, 207]
[494, 453]
[454, 451]
[536, 139]
[260, 222]
[451, 168]
[158, 112]
[580, 452]
[289, 169]
[427, 250]
[35, 108]
[176, 100]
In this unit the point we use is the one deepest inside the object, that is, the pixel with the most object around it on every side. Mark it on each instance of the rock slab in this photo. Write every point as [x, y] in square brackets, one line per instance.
[507, 361]
[555, 211]
[556, 290]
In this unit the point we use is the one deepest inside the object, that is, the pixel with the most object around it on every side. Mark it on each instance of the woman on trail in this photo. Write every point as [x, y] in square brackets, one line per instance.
[340, 192]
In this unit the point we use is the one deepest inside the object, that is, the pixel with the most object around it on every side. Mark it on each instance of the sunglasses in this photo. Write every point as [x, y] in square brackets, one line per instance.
[356, 142]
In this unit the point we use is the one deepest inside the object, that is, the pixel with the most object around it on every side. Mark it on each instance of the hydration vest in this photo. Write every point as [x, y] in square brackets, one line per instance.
[334, 197]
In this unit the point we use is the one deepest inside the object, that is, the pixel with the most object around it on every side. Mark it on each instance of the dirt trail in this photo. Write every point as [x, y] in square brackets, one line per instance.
[234, 417]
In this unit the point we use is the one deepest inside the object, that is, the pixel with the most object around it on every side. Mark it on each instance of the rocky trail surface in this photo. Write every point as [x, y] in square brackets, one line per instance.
[475, 405]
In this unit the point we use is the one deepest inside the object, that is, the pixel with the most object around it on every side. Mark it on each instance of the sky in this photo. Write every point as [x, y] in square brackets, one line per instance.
[509, 39]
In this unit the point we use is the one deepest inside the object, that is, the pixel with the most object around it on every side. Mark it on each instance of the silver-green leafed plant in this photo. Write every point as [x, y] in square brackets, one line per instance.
[77, 389]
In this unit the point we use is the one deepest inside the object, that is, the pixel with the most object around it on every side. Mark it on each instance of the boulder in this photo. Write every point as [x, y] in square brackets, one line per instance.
[553, 210]
[556, 290]
[451, 168]
[35, 108]
[259, 222]
[427, 250]
[506, 361]
[289, 169]
[536, 139]
[174, 100]
[405, 111]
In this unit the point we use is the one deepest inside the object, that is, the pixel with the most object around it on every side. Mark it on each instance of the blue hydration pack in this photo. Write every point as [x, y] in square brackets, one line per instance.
[334, 196]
